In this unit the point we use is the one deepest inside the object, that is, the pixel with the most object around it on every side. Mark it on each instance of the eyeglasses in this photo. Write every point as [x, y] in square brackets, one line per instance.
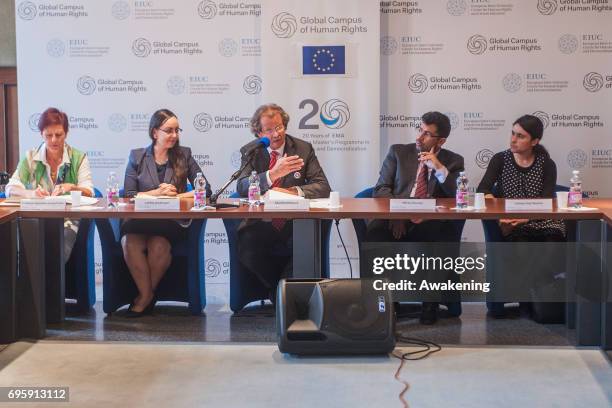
[171, 131]
[427, 133]
[270, 132]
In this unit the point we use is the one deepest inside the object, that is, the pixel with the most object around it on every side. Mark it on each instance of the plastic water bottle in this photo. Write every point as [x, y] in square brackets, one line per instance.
[199, 191]
[254, 189]
[461, 198]
[112, 190]
[574, 199]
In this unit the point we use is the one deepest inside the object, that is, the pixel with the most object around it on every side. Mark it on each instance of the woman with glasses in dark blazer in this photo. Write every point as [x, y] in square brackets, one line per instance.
[161, 169]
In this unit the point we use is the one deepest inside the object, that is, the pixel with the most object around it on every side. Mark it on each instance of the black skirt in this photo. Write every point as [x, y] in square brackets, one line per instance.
[169, 229]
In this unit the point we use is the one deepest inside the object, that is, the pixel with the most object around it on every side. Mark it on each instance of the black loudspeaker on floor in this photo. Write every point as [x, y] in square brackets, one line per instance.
[333, 317]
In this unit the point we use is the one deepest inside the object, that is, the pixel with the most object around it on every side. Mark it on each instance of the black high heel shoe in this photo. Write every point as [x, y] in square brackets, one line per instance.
[146, 311]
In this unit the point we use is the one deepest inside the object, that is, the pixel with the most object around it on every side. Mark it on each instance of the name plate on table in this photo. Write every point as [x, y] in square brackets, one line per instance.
[287, 204]
[411, 204]
[157, 204]
[538, 204]
[42, 204]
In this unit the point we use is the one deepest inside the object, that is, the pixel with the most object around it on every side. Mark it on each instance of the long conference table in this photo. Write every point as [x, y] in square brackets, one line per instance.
[32, 286]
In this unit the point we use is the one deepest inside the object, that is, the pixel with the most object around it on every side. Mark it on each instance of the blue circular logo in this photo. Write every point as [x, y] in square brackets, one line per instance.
[335, 114]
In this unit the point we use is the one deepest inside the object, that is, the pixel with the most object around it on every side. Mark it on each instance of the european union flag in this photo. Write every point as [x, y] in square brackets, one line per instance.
[323, 60]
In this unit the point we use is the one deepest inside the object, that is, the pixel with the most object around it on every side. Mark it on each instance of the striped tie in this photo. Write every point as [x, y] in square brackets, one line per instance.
[421, 187]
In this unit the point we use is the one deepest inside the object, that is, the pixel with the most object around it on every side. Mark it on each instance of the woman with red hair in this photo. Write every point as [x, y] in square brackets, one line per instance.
[53, 168]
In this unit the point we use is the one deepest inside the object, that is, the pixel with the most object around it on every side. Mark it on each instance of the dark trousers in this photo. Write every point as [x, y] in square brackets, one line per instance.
[426, 231]
[266, 252]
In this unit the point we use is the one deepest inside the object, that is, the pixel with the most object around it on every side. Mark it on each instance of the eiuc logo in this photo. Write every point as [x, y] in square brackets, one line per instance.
[547, 7]
[203, 122]
[252, 84]
[454, 119]
[388, 45]
[335, 114]
[228, 47]
[120, 10]
[55, 48]
[456, 7]
[284, 25]
[33, 122]
[86, 85]
[117, 122]
[568, 44]
[417, 83]
[26, 10]
[577, 159]
[175, 85]
[543, 116]
[207, 9]
[512, 82]
[477, 44]
[141, 47]
[593, 82]
[212, 267]
[236, 159]
[483, 157]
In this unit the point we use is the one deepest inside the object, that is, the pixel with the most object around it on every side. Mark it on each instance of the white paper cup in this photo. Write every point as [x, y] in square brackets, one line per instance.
[479, 201]
[562, 199]
[334, 199]
[75, 197]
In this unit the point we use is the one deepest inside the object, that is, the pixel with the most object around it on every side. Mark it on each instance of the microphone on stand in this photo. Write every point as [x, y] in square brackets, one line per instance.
[260, 143]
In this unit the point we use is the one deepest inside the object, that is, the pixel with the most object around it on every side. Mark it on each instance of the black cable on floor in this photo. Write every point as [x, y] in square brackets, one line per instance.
[428, 348]
[348, 259]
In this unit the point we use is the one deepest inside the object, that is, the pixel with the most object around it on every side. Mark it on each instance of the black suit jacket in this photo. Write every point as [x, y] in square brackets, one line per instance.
[141, 171]
[398, 173]
[311, 178]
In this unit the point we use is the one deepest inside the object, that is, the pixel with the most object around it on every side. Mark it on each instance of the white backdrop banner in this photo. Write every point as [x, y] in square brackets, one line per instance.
[320, 62]
[111, 64]
[486, 63]
[355, 76]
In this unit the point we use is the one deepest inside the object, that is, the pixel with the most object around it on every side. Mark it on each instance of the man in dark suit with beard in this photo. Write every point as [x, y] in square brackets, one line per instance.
[419, 170]
[289, 165]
